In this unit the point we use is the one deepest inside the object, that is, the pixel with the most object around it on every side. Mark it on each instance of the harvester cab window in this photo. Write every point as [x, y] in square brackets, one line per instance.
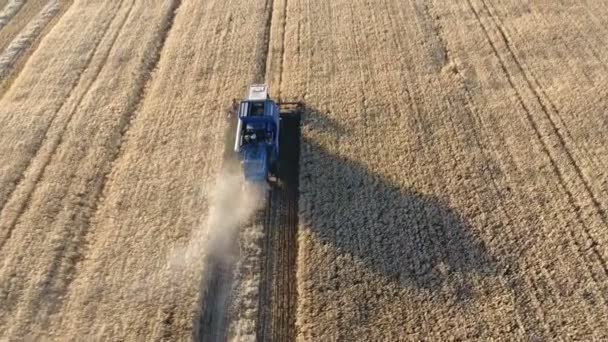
[257, 109]
[252, 135]
[249, 136]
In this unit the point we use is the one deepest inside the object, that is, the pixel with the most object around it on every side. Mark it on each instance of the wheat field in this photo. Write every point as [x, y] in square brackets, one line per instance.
[449, 171]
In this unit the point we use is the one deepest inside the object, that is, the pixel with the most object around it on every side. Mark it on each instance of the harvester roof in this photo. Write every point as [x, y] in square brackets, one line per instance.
[258, 92]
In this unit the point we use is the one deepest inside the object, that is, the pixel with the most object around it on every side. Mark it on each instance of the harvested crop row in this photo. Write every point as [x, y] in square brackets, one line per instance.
[32, 105]
[451, 181]
[145, 244]
[277, 293]
[15, 17]
[26, 37]
[8, 9]
[21, 33]
[47, 218]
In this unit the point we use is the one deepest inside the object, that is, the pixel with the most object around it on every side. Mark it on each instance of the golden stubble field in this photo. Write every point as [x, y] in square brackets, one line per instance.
[452, 179]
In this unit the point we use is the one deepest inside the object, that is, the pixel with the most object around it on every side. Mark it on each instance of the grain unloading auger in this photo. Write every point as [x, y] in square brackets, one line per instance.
[258, 133]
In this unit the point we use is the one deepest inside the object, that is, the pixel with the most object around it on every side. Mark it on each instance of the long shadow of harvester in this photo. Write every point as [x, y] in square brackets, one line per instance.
[409, 238]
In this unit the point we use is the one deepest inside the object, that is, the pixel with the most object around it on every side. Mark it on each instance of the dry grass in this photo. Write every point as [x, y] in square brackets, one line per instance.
[25, 38]
[8, 10]
[23, 33]
[452, 179]
[74, 181]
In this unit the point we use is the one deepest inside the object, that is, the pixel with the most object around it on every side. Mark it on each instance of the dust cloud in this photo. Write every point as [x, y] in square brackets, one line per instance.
[231, 204]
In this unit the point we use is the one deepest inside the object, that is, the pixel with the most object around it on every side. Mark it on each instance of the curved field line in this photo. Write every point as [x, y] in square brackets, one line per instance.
[16, 26]
[38, 173]
[536, 302]
[58, 259]
[476, 118]
[592, 158]
[25, 39]
[72, 240]
[544, 145]
[214, 322]
[149, 65]
[577, 246]
[539, 95]
[261, 56]
[277, 298]
[148, 68]
[9, 11]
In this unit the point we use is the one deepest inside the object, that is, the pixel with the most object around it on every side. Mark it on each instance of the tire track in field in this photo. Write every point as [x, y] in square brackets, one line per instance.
[539, 94]
[261, 56]
[278, 295]
[58, 260]
[575, 244]
[25, 38]
[485, 152]
[361, 61]
[579, 248]
[16, 67]
[572, 242]
[74, 239]
[150, 63]
[213, 320]
[9, 11]
[545, 147]
[473, 114]
[581, 147]
[596, 21]
[510, 283]
[38, 167]
[273, 74]
[420, 118]
[499, 197]
[591, 157]
[34, 169]
[12, 27]
[281, 65]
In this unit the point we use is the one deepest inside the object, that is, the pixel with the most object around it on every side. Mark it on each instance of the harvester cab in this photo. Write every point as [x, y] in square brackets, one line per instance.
[257, 134]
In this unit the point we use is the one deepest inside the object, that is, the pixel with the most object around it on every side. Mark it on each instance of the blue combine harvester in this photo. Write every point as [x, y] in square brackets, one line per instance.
[257, 134]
